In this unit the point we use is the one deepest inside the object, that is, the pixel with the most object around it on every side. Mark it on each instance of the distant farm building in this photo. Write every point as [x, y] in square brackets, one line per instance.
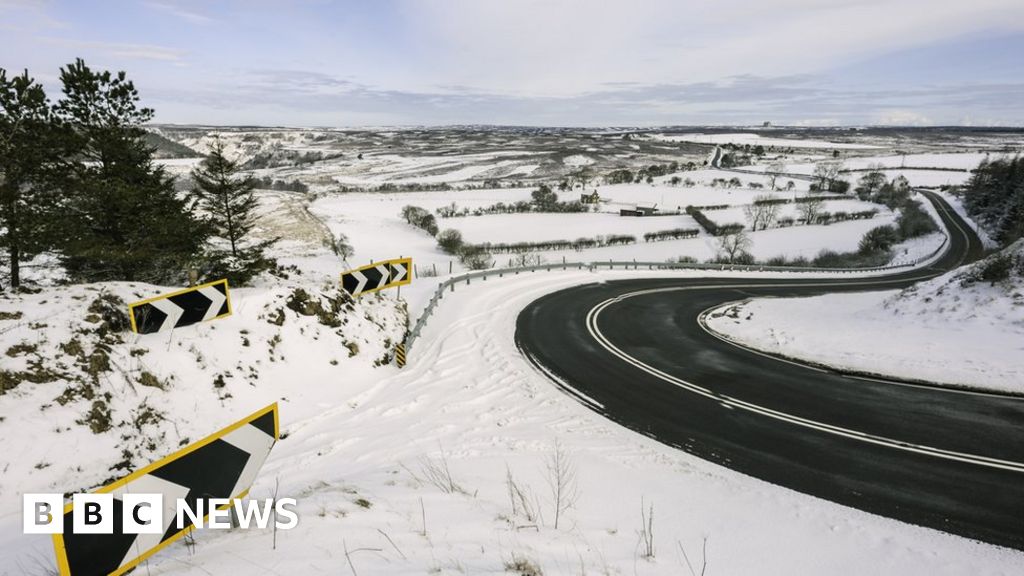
[640, 210]
[592, 198]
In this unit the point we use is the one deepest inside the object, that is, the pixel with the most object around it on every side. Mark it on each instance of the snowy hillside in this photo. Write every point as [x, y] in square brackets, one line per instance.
[965, 328]
[102, 401]
[443, 468]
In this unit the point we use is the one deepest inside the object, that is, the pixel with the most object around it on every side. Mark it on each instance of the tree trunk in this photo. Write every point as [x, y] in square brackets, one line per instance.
[15, 265]
[230, 219]
[14, 241]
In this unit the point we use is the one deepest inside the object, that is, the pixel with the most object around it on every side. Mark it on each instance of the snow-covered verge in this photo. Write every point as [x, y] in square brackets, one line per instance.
[965, 328]
[360, 449]
[957, 203]
[98, 401]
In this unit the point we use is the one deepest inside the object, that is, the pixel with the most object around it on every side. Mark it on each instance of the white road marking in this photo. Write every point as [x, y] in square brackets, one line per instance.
[701, 321]
[596, 333]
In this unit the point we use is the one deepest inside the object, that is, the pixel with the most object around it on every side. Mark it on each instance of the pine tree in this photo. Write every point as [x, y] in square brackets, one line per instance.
[994, 196]
[230, 207]
[29, 157]
[125, 221]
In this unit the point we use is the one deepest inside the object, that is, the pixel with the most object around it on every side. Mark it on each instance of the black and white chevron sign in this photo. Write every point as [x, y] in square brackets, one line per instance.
[222, 465]
[377, 276]
[189, 306]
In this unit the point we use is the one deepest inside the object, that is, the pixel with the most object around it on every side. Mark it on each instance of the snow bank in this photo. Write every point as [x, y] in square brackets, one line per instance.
[957, 329]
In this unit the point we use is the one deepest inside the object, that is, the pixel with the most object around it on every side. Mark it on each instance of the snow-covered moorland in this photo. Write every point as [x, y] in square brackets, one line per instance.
[442, 467]
[410, 472]
[965, 328]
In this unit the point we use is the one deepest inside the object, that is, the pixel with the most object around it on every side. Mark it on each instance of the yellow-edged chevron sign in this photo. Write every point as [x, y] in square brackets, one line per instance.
[400, 355]
[189, 306]
[222, 465]
[377, 276]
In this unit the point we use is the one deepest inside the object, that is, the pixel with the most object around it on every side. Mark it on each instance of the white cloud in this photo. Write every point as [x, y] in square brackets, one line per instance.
[120, 50]
[533, 47]
[901, 118]
[181, 12]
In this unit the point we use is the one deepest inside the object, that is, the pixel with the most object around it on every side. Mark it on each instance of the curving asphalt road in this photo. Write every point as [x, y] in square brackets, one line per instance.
[636, 352]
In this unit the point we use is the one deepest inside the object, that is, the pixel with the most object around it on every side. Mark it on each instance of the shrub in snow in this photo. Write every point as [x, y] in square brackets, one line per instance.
[878, 239]
[450, 241]
[475, 258]
[913, 221]
[522, 566]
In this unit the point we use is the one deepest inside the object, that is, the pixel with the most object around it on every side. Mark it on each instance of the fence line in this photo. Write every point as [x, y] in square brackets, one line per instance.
[451, 283]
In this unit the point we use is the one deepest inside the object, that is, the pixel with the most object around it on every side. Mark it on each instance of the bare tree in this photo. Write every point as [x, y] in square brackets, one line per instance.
[772, 173]
[762, 213]
[826, 173]
[732, 246]
[584, 176]
[562, 481]
[524, 259]
[810, 208]
[871, 183]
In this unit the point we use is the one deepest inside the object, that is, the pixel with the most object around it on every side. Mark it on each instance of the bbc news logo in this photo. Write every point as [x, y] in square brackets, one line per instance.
[144, 514]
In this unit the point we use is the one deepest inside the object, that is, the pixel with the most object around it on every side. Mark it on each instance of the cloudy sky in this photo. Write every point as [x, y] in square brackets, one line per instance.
[533, 62]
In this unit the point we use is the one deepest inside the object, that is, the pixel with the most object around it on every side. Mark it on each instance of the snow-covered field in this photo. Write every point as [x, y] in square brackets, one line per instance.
[358, 445]
[376, 230]
[742, 138]
[948, 330]
[540, 227]
[736, 215]
[961, 162]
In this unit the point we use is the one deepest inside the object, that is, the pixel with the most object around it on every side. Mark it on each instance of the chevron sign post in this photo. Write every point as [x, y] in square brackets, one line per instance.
[377, 276]
[220, 466]
[181, 308]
